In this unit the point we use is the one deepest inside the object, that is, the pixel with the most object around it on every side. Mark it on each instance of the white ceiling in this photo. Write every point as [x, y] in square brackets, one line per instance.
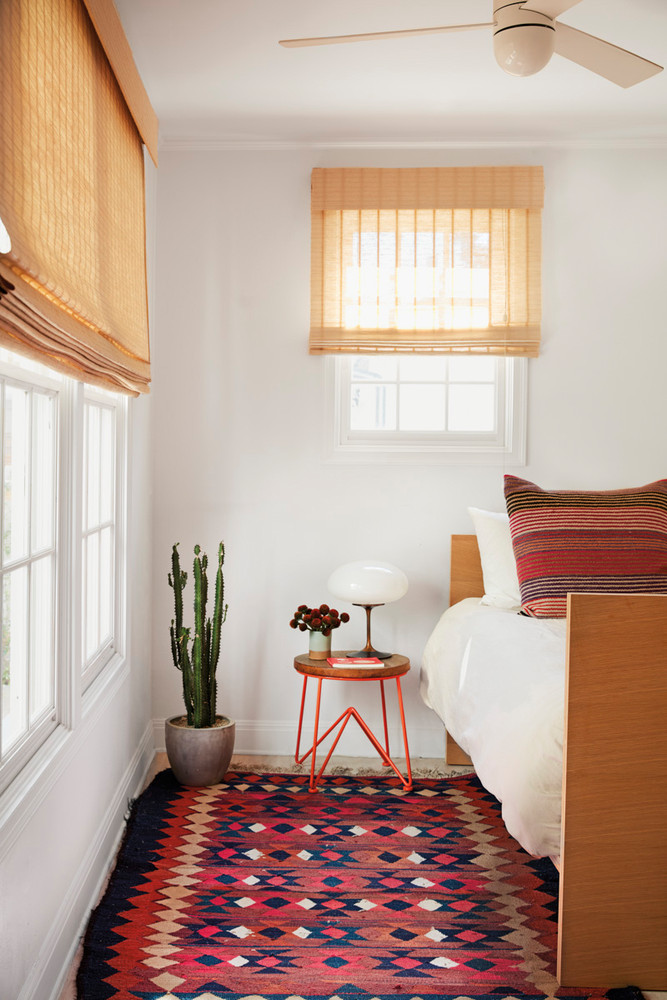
[214, 71]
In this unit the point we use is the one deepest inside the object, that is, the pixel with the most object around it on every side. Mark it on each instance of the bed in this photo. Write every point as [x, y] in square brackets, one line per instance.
[585, 781]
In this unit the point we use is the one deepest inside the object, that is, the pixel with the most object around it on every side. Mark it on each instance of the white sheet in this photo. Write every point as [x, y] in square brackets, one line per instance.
[497, 681]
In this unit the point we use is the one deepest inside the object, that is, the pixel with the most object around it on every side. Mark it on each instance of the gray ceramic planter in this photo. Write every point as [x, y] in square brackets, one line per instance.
[199, 756]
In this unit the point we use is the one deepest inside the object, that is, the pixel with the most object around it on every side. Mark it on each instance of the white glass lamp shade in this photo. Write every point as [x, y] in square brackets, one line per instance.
[368, 582]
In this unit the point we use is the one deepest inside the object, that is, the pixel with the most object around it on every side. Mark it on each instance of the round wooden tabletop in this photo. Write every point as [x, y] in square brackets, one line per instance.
[394, 666]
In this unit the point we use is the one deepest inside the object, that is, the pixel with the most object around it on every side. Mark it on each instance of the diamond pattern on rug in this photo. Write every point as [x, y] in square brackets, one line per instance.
[256, 888]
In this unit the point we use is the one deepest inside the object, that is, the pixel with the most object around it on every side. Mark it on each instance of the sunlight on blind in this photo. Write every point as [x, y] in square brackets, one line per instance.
[416, 271]
[423, 279]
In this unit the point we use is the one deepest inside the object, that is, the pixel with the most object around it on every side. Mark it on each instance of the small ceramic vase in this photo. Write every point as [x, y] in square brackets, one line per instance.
[319, 646]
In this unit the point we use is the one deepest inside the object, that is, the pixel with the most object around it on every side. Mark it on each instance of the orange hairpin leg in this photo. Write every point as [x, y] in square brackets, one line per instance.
[341, 722]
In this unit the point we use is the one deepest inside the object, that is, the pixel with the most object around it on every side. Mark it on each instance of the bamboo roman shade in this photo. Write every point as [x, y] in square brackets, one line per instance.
[426, 260]
[73, 285]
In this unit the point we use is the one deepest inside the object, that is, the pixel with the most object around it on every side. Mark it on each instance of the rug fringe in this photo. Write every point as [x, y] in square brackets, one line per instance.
[337, 770]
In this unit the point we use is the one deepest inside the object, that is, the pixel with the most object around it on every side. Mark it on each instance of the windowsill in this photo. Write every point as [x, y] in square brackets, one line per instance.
[411, 455]
[102, 689]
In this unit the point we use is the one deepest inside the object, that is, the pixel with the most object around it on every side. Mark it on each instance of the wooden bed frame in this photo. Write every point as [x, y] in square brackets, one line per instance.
[612, 915]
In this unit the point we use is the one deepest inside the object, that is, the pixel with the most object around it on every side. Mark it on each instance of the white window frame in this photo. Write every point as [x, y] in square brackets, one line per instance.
[41, 729]
[75, 689]
[113, 649]
[506, 446]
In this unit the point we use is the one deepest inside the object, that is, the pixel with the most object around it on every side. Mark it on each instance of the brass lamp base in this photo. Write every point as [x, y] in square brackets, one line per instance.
[368, 650]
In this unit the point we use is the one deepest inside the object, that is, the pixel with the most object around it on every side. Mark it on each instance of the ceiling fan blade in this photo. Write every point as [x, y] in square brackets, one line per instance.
[376, 35]
[552, 8]
[607, 60]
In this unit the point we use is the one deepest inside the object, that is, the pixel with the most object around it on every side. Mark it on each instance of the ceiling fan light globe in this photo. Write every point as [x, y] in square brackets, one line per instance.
[524, 49]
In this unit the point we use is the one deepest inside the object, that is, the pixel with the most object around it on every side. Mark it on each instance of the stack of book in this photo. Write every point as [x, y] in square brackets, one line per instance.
[354, 661]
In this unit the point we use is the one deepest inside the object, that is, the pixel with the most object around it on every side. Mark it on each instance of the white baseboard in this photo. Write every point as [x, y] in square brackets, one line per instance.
[258, 738]
[48, 975]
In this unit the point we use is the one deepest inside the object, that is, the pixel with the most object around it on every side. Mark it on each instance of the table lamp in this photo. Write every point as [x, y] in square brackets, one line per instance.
[368, 583]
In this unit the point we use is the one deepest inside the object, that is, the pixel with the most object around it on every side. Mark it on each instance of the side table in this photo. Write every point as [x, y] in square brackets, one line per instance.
[392, 668]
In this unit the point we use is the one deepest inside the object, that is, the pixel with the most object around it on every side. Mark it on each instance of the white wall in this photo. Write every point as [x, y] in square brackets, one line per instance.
[241, 428]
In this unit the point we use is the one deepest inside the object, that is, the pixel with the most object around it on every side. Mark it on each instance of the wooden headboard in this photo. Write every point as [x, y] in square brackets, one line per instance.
[465, 569]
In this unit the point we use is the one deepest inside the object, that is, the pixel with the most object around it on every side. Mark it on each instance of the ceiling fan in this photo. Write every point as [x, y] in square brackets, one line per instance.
[525, 36]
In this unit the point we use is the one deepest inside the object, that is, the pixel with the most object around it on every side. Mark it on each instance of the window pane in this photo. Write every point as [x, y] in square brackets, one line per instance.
[14, 656]
[423, 369]
[43, 471]
[91, 599]
[472, 369]
[373, 369]
[471, 408]
[373, 407]
[422, 408]
[16, 472]
[92, 477]
[42, 617]
[107, 470]
[106, 585]
[99, 532]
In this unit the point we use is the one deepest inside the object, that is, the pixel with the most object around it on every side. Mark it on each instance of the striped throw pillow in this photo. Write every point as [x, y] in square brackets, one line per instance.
[568, 541]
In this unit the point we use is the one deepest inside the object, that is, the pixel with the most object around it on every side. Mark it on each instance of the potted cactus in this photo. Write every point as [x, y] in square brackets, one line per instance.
[200, 742]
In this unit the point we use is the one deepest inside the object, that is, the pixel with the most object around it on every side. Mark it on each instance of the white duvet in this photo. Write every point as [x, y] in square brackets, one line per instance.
[497, 681]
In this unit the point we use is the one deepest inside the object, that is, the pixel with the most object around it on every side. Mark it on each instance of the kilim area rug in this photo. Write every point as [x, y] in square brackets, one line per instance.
[257, 888]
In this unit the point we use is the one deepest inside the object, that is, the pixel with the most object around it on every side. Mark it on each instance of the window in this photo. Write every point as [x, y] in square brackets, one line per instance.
[456, 408]
[51, 427]
[426, 287]
[436, 278]
[101, 553]
[29, 559]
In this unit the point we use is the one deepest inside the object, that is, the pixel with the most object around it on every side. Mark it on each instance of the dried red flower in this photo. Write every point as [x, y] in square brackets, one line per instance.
[318, 619]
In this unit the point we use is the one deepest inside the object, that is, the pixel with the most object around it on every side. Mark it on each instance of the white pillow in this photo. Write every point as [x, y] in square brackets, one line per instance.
[501, 583]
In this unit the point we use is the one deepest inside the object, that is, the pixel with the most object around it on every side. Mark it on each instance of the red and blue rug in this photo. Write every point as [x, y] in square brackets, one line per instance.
[257, 888]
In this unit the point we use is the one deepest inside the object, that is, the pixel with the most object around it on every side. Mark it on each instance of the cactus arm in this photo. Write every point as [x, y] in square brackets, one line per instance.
[188, 679]
[174, 647]
[198, 641]
[204, 583]
[209, 678]
[219, 616]
[220, 609]
[177, 581]
[205, 686]
[208, 715]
